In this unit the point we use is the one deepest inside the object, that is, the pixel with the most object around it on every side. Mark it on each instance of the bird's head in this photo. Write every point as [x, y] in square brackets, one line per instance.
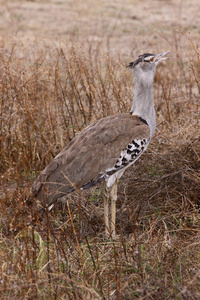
[147, 63]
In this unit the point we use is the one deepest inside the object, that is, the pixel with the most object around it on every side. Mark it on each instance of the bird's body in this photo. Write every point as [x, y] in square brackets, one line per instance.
[105, 149]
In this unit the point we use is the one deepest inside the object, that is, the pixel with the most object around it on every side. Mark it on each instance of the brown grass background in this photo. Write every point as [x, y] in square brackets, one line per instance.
[62, 66]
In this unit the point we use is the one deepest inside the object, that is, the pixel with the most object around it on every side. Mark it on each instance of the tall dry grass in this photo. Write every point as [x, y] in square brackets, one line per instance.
[48, 96]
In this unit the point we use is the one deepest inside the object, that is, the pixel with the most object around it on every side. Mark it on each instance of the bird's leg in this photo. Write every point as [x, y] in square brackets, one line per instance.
[113, 196]
[106, 202]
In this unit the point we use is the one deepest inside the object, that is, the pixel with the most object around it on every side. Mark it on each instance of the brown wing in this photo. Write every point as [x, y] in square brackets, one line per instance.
[89, 155]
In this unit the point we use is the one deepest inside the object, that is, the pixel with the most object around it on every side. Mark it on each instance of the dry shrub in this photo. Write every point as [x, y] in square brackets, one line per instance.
[45, 102]
[47, 97]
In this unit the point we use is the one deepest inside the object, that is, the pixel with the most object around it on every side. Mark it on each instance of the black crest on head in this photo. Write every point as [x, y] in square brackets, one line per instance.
[140, 59]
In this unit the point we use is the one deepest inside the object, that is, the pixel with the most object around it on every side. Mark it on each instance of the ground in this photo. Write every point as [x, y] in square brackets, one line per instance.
[127, 26]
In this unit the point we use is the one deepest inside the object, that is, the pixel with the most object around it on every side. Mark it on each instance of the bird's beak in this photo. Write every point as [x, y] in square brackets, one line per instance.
[159, 57]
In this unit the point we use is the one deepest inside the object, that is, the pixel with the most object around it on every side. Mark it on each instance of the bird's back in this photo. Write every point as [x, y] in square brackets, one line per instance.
[93, 154]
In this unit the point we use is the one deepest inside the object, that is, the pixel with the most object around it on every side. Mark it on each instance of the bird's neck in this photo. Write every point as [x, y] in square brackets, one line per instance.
[143, 105]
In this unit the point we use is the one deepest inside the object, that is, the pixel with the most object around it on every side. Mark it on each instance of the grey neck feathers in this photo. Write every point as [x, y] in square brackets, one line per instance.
[143, 105]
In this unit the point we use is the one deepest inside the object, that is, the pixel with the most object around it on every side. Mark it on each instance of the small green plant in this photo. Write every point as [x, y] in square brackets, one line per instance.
[154, 171]
[95, 196]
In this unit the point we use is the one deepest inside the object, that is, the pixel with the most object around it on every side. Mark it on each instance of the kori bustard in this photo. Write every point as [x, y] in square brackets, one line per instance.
[105, 149]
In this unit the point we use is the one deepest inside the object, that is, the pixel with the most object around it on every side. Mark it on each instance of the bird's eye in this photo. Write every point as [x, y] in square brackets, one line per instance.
[149, 59]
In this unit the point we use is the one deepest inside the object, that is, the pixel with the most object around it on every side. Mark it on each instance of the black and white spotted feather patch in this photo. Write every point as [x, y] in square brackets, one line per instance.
[128, 156]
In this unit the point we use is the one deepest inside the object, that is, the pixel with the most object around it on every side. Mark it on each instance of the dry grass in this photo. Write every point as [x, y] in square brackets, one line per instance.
[47, 96]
